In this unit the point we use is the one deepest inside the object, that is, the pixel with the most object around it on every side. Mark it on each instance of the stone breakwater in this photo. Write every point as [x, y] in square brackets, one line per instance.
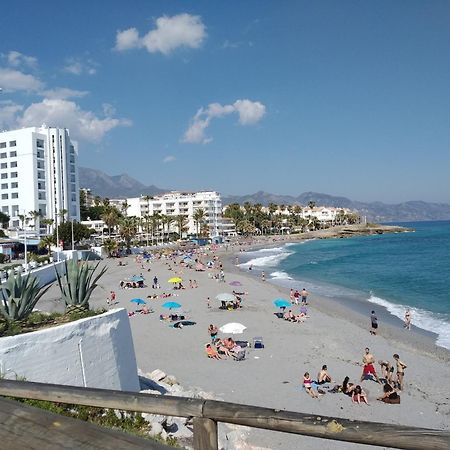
[159, 383]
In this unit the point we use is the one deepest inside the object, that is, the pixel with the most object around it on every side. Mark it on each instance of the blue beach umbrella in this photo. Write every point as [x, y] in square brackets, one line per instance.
[138, 301]
[136, 278]
[171, 305]
[281, 303]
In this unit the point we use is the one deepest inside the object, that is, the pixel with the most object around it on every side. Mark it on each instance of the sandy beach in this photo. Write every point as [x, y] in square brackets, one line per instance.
[272, 377]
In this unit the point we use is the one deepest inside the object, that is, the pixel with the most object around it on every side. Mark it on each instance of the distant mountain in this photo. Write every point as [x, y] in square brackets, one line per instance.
[374, 211]
[118, 186]
[121, 186]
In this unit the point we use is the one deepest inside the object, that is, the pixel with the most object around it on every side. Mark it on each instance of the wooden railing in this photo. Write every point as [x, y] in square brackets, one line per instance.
[207, 413]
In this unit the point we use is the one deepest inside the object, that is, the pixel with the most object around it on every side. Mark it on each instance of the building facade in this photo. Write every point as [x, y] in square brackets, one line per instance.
[39, 172]
[177, 204]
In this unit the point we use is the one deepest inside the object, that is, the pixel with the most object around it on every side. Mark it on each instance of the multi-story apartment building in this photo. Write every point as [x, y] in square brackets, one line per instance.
[38, 172]
[178, 203]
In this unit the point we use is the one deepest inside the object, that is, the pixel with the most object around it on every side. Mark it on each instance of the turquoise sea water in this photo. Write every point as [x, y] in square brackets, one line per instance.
[393, 270]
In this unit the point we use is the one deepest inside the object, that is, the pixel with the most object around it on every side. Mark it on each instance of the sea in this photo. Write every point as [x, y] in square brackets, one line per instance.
[393, 270]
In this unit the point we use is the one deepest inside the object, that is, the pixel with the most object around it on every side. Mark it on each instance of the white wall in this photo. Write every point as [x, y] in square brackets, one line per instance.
[46, 274]
[94, 352]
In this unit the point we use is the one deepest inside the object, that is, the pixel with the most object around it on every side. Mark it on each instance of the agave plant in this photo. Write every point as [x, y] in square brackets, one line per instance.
[77, 284]
[19, 296]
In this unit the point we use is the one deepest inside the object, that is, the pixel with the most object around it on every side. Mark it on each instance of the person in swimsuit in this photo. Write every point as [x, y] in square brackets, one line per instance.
[400, 371]
[347, 388]
[368, 366]
[387, 370]
[307, 383]
[389, 395]
[359, 395]
[304, 295]
[407, 323]
[374, 323]
[324, 376]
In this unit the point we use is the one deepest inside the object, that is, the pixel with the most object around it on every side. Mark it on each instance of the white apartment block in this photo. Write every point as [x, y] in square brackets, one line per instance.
[38, 172]
[178, 203]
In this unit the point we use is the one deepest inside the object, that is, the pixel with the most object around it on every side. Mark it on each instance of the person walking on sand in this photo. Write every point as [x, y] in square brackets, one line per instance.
[291, 296]
[263, 276]
[208, 302]
[368, 366]
[304, 294]
[400, 371]
[407, 323]
[374, 323]
[112, 297]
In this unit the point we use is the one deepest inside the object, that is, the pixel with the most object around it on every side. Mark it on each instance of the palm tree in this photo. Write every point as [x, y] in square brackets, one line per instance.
[110, 246]
[35, 215]
[48, 223]
[124, 207]
[311, 204]
[147, 198]
[181, 224]
[62, 214]
[199, 217]
[168, 220]
[128, 230]
[156, 221]
[111, 218]
[47, 242]
[265, 225]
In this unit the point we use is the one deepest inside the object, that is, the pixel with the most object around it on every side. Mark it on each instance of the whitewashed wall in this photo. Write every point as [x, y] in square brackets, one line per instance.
[93, 352]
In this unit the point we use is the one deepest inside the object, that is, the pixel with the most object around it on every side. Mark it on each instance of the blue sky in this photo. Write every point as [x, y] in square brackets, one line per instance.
[348, 98]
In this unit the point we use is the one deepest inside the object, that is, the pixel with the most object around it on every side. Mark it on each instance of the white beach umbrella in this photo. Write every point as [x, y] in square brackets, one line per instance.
[232, 328]
[225, 297]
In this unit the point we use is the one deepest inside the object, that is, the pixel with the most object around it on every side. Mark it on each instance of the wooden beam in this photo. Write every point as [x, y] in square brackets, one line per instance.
[372, 433]
[26, 427]
[205, 434]
[104, 398]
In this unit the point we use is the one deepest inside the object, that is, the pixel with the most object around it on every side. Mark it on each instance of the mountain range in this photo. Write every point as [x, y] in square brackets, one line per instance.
[121, 186]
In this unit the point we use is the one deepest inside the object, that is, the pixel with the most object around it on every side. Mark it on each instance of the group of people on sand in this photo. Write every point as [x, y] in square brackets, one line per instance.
[296, 295]
[221, 348]
[297, 318]
[391, 386]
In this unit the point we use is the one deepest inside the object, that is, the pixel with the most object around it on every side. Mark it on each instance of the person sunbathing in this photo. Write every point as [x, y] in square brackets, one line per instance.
[390, 395]
[307, 384]
[359, 395]
[212, 352]
[220, 346]
[324, 376]
[347, 388]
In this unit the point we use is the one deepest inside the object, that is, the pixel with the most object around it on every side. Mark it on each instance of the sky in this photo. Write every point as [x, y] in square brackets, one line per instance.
[343, 97]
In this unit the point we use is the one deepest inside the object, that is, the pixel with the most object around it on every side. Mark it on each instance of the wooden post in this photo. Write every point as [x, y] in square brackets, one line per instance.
[205, 434]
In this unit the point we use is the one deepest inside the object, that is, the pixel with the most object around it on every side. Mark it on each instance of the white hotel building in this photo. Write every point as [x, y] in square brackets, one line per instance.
[180, 203]
[38, 172]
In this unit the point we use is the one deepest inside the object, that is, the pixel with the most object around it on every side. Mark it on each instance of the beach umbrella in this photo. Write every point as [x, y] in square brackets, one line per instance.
[138, 301]
[225, 297]
[235, 283]
[171, 305]
[281, 303]
[175, 280]
[232, 328]
[136, 278]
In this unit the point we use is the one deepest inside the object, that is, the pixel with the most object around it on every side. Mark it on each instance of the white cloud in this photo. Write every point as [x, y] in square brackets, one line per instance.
[249, 113]
[169, 158]
[17, 59]
[78, 66]
[8, 114]
[15, 80]
[127, 39]
[63, 93]
[84, 125]
[170, 33]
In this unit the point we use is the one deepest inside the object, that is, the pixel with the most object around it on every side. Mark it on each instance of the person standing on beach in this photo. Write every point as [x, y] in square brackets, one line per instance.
[291, 296]
[368, 366]
[263, 276]
[304, 295]
[296, 296]
[374, 323]
[407, 324]
[400, 370]
[208, 302]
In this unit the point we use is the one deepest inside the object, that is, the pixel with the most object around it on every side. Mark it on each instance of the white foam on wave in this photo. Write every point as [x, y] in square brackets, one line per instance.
[266, 261]
[280, 276]
[436, 323]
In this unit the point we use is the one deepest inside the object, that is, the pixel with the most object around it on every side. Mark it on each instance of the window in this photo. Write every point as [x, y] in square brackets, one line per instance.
[12, 154]
[4, 176]
[15, 222]
[40, 154]
[40, 143]
[3, 165]
[15, 210]
[12, 143]
[13, 164]
[13, 174]
[41, 185]
[40, 165]
[41, 196]
[4, 185]
[15, 195]
[14, 185]
[3, 155]
[2, 144]
[4, 196]
[5, 210]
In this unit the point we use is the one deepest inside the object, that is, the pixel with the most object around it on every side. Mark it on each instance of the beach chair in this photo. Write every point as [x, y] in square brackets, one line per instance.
[258, 342]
